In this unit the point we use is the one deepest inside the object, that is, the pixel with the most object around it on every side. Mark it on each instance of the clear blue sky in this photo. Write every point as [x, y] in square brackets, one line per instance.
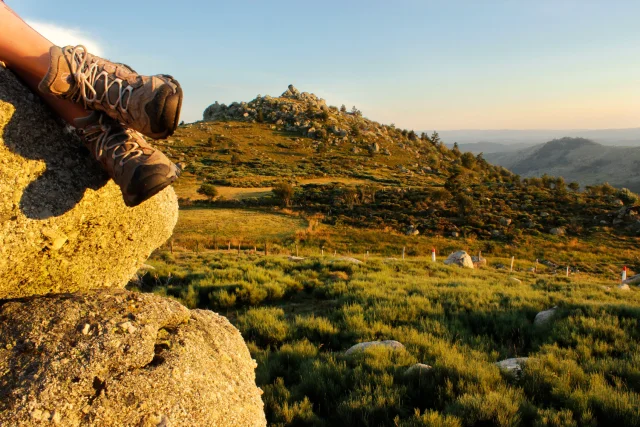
[419, 64]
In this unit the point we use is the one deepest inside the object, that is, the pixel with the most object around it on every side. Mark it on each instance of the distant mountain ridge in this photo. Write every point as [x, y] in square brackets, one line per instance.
[576, 159]
[527, 137]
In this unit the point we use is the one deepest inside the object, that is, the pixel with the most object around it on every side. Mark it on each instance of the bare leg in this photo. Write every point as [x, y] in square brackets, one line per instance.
[26, 53]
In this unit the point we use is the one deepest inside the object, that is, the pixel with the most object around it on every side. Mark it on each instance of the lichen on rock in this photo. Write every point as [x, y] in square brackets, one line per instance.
[114, 358]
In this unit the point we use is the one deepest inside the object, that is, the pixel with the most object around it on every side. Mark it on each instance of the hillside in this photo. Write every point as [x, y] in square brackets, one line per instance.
[576, 159]
[345, 259]
[357, 172]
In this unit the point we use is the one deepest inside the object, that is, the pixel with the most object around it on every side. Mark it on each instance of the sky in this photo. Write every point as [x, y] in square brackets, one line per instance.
[424, 65]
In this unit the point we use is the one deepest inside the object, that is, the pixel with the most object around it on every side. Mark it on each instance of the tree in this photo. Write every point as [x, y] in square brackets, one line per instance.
[435, 138]
[284, 193]
[574, 186]
[343, 108]
[208, 190]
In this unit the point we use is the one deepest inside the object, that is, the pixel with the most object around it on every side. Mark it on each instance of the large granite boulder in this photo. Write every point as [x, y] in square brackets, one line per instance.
[63, 224]
[110, 357]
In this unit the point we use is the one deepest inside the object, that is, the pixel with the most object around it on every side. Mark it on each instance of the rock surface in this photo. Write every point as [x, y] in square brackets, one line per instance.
[460, 258]
[512, 366]
[545, 316]
[390, 344]
[116, 358]
[418, 368]
[63, 224]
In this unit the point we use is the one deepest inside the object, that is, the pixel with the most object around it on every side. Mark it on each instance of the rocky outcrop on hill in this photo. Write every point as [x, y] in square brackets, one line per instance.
[305, 113]
[63, 224]
[117, 358]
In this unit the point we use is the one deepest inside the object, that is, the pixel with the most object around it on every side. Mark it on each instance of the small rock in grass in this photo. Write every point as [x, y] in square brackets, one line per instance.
[512, 366]
[391, 344]
[419, 368]
[515, 281]
[460, 258]
[545, 316]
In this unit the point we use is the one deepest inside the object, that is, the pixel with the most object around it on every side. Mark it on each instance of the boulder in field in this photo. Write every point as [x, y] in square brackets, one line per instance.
[63, 224]
[633, 280]
[390, 344]
[115, 358]
[544, 317]
[418, 368]
[460, 258]
[512, 366]
[558, 231]
[479, 261]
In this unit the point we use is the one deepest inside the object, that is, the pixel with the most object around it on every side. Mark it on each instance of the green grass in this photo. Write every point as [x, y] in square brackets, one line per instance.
[299, 317]
[219, 226]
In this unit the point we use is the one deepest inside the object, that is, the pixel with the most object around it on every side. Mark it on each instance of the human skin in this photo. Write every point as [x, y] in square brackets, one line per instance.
[26, 52]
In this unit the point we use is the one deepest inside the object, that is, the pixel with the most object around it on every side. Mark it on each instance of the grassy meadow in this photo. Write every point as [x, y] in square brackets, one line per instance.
[362, 215]
[299, 317]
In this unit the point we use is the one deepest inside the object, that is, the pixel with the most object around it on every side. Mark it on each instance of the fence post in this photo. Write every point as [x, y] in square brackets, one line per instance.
[229, 246]
[322, 251]
[512, 259]
[567, 271]
[433, 254]
[403, 250]
[624, 273]
[296, 249]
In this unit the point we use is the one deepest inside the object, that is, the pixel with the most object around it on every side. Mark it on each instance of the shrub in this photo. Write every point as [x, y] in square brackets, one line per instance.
[208, 190]
[628, 197]
[284, 193]
[266, 326]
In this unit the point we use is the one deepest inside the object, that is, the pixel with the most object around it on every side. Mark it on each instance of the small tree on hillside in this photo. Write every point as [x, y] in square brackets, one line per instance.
[574, 186]
[435, 138]
[208, 190]
[284, 193]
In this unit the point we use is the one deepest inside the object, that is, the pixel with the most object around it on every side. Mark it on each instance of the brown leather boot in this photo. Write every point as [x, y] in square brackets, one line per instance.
[150, 105]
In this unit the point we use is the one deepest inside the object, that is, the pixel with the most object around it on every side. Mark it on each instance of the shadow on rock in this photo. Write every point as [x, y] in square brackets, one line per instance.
[69, 169]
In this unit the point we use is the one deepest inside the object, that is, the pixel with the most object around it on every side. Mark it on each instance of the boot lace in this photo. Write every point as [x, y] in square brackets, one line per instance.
[89, 72]
[104, 137]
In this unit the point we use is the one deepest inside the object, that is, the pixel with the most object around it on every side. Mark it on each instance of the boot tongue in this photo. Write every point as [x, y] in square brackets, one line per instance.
[64, 81]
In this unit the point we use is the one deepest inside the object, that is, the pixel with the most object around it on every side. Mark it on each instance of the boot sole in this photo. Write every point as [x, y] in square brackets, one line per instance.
[133, 200]
[166, 111]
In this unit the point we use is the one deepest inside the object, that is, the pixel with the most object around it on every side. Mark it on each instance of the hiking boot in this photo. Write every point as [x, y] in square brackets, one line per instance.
[150, 105]
[140, 170]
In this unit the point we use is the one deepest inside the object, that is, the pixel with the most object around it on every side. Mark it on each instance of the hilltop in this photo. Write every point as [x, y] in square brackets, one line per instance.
[576, 159]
